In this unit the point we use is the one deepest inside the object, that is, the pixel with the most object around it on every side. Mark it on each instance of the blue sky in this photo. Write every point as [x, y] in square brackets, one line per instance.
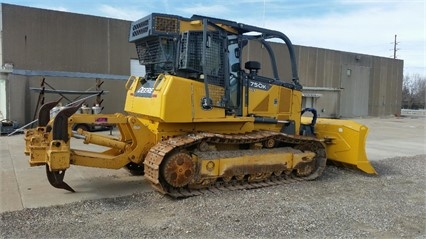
[363, 26]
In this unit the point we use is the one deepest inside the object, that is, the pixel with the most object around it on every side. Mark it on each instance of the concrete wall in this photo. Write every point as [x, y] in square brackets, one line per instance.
[3, 76]
[37, 39]
[375, 83]
[373, 86]
[44, 40]
[386, 86]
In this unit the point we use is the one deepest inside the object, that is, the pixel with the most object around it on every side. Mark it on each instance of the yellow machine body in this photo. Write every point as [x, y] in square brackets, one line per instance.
[184, 111]
[167, 104]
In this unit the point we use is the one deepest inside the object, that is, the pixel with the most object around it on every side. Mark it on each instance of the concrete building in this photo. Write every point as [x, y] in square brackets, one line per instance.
[86, 53]
[342, 84]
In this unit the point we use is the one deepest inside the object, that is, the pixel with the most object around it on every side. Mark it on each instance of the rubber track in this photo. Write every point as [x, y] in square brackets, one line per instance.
[160, 150]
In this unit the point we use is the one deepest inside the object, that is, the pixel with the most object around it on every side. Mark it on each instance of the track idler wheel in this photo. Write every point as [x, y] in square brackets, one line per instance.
[178, 169]
[56, 179]
[314, 169]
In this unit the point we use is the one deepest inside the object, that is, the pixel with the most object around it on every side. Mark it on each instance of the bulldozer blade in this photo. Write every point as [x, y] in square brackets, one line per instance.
[44, 112]
[56, 179]
[345, 143]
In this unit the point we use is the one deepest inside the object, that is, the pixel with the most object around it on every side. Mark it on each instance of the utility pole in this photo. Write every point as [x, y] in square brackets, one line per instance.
[394, 48]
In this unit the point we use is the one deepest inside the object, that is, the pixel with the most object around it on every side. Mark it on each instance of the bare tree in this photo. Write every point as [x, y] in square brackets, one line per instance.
[414, 92]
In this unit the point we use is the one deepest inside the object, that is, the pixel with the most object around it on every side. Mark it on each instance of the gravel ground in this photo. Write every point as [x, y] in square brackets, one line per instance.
[341, 204]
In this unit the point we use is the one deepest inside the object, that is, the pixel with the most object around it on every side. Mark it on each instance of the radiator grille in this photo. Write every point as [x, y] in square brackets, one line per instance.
[140, 28]
[166, 24]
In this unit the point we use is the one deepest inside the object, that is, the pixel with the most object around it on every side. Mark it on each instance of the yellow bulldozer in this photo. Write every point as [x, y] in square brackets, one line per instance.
[201, 119]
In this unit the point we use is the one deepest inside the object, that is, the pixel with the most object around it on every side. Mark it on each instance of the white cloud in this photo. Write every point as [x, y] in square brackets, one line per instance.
[207, 10]
[59, 8]
[54, 8]
[368, 29]
[125, 13]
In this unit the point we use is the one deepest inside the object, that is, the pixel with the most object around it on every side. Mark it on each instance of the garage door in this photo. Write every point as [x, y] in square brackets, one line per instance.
[355, 91]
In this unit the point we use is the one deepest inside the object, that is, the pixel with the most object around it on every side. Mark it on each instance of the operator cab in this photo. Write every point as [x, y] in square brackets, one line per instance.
[208, 50]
